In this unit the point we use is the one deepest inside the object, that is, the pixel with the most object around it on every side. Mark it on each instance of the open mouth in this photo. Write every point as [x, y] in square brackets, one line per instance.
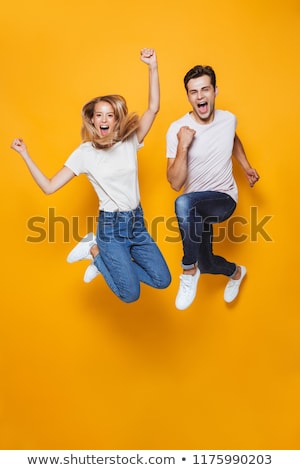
[203, 107]
[104, 129]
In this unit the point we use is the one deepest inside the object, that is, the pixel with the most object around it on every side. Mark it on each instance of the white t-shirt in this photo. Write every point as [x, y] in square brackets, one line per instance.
[113, 172]
[209, 156]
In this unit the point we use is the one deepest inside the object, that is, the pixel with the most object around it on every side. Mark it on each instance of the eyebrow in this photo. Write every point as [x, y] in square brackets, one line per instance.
[202, 88]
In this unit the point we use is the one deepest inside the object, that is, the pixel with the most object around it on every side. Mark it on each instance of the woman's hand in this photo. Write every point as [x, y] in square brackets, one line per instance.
[148, 56]
[19, 146]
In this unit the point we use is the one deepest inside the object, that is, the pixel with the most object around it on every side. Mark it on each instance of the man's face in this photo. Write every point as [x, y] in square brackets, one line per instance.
[201, 95]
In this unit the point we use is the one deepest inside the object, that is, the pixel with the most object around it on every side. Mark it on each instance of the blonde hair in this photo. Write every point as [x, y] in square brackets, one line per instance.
[125, 125]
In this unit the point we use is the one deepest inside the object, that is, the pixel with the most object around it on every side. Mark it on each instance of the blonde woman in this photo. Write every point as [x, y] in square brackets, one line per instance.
[123, 250]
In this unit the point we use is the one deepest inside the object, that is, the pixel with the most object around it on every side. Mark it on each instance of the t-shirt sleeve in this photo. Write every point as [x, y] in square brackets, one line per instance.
[172, 142]
[137, 145]
[76, 162]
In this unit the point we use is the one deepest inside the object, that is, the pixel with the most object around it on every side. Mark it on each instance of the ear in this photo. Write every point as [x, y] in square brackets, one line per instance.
[216, 91]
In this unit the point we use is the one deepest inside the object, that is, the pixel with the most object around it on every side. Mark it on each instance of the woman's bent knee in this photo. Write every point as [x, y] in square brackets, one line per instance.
[165, 282]
[129, 299]
[129, 296]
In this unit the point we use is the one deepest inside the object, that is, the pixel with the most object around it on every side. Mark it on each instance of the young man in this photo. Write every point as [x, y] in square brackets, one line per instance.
[200, 146]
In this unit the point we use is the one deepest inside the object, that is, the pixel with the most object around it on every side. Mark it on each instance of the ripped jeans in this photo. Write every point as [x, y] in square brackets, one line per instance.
[196, 213]
[128, 255]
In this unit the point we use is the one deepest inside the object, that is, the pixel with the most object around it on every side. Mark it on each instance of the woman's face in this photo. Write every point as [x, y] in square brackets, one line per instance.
[104, 118]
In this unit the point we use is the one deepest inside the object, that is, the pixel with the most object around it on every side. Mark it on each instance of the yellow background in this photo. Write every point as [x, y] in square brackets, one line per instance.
[81, 370]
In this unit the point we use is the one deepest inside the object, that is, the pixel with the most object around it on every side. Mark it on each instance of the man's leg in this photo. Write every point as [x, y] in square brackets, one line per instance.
[196, 212]
[190, 230]
[210, 263]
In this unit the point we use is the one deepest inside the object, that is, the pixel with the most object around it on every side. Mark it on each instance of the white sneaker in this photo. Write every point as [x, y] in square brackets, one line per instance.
[187, 290]
[233, 286]
[82, 249]
[91, 272]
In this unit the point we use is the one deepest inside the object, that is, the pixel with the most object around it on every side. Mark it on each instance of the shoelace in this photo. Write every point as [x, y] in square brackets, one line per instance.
[231, 283]
[186, 282]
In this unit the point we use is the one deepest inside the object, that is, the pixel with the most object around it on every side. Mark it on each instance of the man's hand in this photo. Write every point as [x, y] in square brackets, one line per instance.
[252, 176]
[185, 137]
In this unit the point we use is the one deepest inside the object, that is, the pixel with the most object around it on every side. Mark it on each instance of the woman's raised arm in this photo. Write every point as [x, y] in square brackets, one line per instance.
[149, 57]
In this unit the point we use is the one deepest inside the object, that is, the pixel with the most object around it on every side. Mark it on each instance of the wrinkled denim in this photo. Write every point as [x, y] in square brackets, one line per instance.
[128, 254]
[196, 213]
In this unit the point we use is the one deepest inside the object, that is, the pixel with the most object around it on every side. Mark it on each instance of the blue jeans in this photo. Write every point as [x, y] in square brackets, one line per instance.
[196, 213]
[128, 255]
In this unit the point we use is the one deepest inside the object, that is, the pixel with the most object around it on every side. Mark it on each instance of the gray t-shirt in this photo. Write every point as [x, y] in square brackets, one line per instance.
[209, 156]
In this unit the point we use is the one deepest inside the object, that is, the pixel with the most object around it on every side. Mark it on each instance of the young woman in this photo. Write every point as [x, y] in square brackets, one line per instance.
[123, 251]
